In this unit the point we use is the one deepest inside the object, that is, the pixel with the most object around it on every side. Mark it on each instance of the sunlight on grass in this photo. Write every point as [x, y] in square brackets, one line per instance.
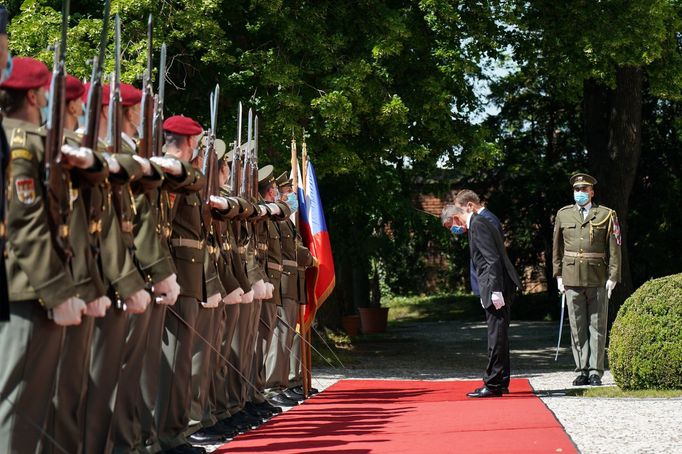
[615, 391]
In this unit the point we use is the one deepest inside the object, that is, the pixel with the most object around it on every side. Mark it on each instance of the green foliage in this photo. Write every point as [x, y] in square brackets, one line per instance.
[646, 339]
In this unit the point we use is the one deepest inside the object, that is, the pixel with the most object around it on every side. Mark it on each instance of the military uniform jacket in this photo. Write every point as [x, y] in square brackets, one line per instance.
[290, 266]
[305, 260]
[230, 268]
[35, 268]
[586, 252]
[274, 266]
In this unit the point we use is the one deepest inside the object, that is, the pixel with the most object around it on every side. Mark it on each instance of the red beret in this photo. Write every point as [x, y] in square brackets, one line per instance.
[27, 73]
[130, 95]
[105, 94]
[74, 88]
[185, 126]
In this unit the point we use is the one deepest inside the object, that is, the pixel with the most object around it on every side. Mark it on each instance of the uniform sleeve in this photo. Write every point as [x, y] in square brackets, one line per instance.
[130, 169]
[84, 268]
[96, 174]
[150, 183]
[29, 234]
[615, 240]
[213, 284]
[153, 258]
[303, 256]
[557, 247]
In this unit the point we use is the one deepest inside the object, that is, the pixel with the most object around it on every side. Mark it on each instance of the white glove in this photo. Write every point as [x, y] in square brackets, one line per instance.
[274, 209]
[258, 290]
[98, 307]
[610, 285]
[269, 290]
[112, 163]
[144, 163]
[498, 300]
[80, 157]
[168, 165]
[234, 297]
[167, 290]
[219, 203]
[212, 302]
[247, 297]
[137, 303]
[262, 211]
[69, 312]
[560, 284]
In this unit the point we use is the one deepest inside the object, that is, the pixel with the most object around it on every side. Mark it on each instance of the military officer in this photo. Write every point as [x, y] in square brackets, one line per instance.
[586, 259]
[36, 268]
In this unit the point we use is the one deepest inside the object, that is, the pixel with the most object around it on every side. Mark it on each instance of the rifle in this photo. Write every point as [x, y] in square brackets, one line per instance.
[235, 169]
[157, 127]
[246, 191]
[4, 159]
[58, 179]
[210, 169]
[145, 148]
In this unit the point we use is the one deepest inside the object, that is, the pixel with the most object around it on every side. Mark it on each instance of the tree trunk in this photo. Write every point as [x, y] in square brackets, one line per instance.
[613, 137]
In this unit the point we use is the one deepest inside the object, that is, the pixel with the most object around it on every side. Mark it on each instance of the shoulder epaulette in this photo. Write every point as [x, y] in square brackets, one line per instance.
[18, 139]
[566, 207]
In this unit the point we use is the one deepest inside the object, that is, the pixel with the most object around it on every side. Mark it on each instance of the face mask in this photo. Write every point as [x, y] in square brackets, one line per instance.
[43, 115]
[581, 198]
[138, 128]
[457, 229]
[7, 70]
[292, 201]
[81, 121]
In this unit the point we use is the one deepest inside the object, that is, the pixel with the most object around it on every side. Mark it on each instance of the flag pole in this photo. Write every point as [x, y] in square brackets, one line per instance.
[305, 333]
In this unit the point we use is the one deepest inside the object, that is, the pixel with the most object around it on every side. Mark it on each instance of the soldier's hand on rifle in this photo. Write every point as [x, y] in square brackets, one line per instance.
[234, 297]
[98, 307]
[171, 166]
[274, 209]
[498, 300]
[219, 203]
[610, 285]
[247, 297]
[259, 290]
[167, 290]
[112, 163]
[144, 163]
[79, 157]
[269, 289]
[137, 303]
[212, 302]
[69, 312]
[262, 211]
[560, 284]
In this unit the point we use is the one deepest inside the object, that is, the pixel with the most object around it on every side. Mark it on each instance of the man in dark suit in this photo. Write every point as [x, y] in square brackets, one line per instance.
[498, 282]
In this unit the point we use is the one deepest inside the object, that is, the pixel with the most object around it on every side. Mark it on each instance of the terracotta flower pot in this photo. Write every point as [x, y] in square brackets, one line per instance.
[373, 319]
[351, 324]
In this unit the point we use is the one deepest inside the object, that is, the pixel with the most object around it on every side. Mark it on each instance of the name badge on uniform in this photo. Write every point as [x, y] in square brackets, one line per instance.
[171, 199]
[26, 190]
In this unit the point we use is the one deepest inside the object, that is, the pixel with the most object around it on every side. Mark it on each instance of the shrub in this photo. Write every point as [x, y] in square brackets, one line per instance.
[646, 339]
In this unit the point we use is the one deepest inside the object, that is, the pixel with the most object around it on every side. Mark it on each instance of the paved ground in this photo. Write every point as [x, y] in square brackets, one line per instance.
[456, 350]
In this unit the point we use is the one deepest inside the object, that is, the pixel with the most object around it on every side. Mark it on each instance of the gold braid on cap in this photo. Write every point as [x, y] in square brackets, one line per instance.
[608, 219]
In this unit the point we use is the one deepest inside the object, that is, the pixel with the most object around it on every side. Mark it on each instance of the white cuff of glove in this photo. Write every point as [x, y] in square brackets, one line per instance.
[560, 284]
[98, 307]
[269, 290]
[167, 290]
[274, 209]
[247, 297]
[138, 302]
[610, 285]
[80, 157]
[219, 203]
[213, 301]
[259, 290]
[144, 163]
[498, 300]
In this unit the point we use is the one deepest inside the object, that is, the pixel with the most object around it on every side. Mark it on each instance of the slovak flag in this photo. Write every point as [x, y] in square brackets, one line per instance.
[320, 280]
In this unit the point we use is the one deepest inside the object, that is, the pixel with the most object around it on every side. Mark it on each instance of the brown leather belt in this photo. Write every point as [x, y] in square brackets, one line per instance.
[275, 266]
[290, 263]
[587, 255]
[184, 242]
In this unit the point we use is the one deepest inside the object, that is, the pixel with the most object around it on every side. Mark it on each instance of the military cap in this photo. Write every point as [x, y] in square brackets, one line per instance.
[582, 179]
[220, 149]
[27, 74]
[265, 177]
[185, 126]
[284, 180]
[105, 93]
[74, 88]
[130, 95]
[230, 156]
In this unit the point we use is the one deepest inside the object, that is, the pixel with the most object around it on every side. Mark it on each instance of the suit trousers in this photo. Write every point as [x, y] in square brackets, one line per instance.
[278, 358]
[175, 383]
[108, 343]
[149, 380]
[220, 389]
[66, 421]
[31, 345]
[202, 354]
[249, 390]
[241, 357]
[588, 312]
[498, 370]
[266, 330]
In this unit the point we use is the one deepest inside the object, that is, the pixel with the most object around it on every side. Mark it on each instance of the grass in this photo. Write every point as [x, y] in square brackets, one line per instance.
[616, 392]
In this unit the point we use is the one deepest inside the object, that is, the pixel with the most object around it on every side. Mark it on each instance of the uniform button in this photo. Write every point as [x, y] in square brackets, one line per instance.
[582, 238]
[581, 261]
[192, 260]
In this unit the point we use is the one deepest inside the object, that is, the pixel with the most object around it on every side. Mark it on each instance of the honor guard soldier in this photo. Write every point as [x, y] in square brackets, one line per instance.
[586, 259]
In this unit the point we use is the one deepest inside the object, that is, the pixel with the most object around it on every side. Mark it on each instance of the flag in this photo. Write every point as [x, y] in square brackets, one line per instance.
[320, 280]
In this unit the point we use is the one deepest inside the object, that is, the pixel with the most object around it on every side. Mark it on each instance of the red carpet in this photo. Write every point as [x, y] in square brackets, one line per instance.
[378, 416]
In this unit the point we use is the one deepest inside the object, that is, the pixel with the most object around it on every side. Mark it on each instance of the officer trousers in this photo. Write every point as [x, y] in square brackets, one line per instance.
[66, 421]
[296, 358]
[31, 345]
[240, 357]
[203, 358]
[266, 330]
[588, 312]
[149, 381]
[108, 342]
[175, 377]
[219, 388]
[278, 361]
[126, 429]
[497, 372]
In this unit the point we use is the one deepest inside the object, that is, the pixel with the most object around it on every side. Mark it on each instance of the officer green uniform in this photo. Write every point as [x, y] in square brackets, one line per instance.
[586, 252]
[305, 260]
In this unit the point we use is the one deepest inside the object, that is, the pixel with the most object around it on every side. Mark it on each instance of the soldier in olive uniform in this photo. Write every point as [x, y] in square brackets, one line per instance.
[586, 258]
[36, 269]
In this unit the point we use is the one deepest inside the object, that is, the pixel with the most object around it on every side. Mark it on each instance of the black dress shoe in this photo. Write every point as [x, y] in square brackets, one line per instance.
[185, 449]
[205, 436]
[581, 380]
[504, 390]
[299, 390]
[227, 431]
[241, 427]
[485, 392]
[595, 380]
[293, 395]
[257, 412]
[265, 405]
[283, 401]
[245, 419]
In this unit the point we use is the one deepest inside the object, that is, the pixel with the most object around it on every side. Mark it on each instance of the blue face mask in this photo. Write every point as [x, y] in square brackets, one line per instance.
[43, 114]
[581, 198]
[292, 201]
[457, 229]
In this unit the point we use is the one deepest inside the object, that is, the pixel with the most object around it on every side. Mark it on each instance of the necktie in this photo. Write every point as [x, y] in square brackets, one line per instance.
[583, 213]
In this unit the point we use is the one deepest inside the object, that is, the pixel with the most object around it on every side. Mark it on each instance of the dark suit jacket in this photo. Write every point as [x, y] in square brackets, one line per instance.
[494, 269]
[472, 272]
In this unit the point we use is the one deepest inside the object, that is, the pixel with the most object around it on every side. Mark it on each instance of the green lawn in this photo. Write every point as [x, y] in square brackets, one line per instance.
[615, 391]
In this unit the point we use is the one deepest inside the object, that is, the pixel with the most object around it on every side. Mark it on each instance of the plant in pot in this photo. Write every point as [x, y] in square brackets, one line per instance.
[374, 318]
